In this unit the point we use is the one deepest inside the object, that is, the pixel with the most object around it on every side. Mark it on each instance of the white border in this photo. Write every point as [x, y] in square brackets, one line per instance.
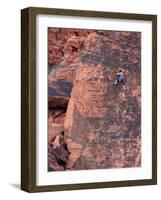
[43, 177]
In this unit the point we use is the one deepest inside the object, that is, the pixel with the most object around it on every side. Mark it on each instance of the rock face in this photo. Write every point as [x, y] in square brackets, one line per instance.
[101, 121]
[58, 97]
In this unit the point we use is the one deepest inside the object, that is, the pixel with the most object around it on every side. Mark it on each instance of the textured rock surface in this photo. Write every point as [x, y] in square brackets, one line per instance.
[102, 121]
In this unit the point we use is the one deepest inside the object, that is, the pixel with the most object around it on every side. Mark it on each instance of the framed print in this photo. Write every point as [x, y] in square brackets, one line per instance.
[89, 99]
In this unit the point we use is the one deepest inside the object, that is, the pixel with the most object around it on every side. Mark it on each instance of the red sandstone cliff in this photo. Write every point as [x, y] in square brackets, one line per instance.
[102, 121]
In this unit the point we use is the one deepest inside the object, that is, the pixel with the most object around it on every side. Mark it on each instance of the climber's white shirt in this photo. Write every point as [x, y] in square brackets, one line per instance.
[102, 175]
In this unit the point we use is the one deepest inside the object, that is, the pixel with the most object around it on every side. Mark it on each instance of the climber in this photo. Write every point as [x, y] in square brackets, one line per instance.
[121, 76]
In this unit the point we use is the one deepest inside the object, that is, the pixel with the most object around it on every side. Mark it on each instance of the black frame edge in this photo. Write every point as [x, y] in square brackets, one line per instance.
[91, 13]
[24, 99]
[154, 99]
[28, 100]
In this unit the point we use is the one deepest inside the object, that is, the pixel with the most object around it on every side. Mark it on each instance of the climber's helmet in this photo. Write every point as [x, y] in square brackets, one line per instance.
[121, 70]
